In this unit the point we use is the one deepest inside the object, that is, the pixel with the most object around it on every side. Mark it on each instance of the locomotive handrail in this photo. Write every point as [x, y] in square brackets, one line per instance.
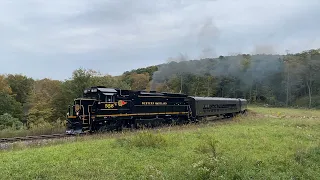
[89, 120]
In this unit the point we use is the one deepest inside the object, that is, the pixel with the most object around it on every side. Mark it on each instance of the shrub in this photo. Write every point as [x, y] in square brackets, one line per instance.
[7, 121]
[41, 128]
[304, 102]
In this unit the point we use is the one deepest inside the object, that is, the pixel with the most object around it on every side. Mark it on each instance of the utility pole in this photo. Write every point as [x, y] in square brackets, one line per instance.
[181, 84]
[286, 60]
[208, 86]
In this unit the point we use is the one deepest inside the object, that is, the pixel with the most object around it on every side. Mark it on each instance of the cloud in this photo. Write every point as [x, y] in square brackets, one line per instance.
[154, 30]
[85, 26]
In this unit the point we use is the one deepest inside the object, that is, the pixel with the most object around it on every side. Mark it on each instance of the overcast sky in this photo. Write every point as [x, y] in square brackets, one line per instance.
[42, 38]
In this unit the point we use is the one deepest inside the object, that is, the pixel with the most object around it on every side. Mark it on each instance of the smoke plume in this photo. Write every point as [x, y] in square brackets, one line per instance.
[259, 68]
[263, 49]
[246, 68]
[208, 38]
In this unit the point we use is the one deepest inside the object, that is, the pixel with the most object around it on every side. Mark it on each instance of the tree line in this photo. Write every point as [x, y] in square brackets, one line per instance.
[276, 80]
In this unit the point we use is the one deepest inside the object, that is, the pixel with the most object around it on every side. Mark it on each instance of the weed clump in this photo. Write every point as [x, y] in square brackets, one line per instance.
[152, 172]
[208, 166]
[144, 139]
[306, 159]
[303, 157]
[207, 146]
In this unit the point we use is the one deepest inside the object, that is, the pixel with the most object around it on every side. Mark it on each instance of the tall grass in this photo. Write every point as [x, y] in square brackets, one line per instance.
[144, 139]
[33, 130]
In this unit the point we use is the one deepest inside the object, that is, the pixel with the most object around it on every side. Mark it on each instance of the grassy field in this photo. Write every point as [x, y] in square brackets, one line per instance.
[268, 143]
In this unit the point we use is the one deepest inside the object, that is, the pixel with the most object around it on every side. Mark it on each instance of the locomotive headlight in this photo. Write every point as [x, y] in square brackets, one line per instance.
[77, 113]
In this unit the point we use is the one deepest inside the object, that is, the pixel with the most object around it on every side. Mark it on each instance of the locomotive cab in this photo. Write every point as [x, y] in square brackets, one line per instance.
[81, 114]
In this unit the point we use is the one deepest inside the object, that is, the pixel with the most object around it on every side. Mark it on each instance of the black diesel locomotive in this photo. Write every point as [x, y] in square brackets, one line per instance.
[103, 109]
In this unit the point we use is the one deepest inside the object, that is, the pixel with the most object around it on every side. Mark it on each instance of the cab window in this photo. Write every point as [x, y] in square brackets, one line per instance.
[109, 98]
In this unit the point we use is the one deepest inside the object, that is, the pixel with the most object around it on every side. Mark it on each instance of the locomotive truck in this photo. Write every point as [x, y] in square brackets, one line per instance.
[104, 109]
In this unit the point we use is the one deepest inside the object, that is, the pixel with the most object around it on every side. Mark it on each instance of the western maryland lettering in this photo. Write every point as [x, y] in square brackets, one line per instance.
[111, 105]
[154, 103]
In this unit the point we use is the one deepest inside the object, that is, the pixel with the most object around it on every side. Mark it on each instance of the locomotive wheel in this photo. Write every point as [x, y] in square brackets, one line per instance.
[134, 126]
[102, 129]
[175, 121]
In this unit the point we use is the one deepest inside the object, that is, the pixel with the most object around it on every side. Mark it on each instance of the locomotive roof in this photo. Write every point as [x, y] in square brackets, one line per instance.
[217, 98]
[161, 93]
[151, 93]
[110, 90]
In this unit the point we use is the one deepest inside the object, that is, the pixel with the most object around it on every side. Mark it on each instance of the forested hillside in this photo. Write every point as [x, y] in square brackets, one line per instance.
[276, 80]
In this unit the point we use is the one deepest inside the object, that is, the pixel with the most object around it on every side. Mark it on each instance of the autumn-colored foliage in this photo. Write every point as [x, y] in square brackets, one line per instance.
[274, 80]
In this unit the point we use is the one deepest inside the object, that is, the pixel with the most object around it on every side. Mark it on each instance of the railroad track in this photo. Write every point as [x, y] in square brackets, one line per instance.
[56, 136]
[28, 138]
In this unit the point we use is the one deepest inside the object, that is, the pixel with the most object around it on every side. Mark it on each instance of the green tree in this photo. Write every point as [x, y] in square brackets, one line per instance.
[81, 79]
[310, 67]
[21, 86]
[109, 81]
[4, 86]
[42, 101]
[9, 105]
[139, 81]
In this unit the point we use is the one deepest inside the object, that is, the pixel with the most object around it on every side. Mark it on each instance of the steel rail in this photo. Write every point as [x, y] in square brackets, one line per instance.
[39, 137]
[57, 136]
